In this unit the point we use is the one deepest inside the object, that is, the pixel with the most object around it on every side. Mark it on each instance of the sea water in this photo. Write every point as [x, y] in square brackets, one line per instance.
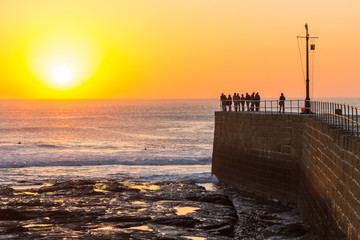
[152, 140]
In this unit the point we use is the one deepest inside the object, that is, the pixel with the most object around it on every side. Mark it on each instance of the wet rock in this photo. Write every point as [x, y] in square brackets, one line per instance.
[227, 230]
[115, 186]
[11, 214]
[72, 184]
[294, 229]
[179, 221]
[6, 191]
[112, 209]
[124, 218]
[11, 228]
[213, 198]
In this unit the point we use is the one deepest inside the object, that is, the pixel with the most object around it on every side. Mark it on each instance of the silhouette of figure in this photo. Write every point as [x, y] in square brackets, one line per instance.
[242, 101]
[252, 99]
[223, 101]
[248, 99]
[257, 101]
[282, 102]
[236, 102]
[229, 102]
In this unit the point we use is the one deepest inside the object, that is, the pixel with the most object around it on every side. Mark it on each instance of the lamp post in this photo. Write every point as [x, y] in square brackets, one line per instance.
[307, 99]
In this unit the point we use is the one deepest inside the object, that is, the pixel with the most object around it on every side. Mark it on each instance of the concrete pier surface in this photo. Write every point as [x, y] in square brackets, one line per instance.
[293, 158]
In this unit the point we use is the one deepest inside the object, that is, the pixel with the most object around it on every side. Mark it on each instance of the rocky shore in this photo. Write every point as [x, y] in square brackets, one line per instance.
[113, 209]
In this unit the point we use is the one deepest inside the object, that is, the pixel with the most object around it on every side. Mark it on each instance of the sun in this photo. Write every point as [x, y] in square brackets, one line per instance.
[62, 75]
[64, 60]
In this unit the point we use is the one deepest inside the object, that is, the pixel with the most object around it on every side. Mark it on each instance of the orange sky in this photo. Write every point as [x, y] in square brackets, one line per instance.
[175, 49]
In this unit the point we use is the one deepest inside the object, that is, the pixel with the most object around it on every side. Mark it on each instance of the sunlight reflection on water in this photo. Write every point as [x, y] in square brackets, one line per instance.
[197, 173]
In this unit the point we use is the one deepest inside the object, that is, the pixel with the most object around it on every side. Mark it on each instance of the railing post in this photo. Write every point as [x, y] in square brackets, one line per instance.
[348, 117]
[334, 116]
[343, 119]
[346, 121]
[327, 113]
[298, 106]
[333, 113]
[338, 119]
[357, 123]
[265, 106]
[352, 122]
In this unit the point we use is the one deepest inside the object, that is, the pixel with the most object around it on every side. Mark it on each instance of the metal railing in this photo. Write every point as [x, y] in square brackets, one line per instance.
[341, 116]
[264, 106]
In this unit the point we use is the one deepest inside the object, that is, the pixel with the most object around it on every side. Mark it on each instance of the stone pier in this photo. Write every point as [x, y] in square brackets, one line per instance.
[293, 158]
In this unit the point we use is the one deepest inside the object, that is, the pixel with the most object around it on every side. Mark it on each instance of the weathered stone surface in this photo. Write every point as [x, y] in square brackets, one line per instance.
[293, 158]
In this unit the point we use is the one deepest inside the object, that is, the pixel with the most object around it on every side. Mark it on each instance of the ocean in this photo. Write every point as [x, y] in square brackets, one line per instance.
[152, 140]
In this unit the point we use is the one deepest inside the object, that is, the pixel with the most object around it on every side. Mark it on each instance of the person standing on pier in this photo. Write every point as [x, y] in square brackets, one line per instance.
[257, 101]
[229, 102]
[242, 101]
[223, 102]
[236, 102]
[282, 102]
[248, 99]
[252, 99]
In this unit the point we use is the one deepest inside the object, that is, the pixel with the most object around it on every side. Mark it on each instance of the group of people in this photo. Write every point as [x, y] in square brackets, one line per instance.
[252, 101]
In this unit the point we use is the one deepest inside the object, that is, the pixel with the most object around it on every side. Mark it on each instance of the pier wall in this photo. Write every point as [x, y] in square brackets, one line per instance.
[294, 159]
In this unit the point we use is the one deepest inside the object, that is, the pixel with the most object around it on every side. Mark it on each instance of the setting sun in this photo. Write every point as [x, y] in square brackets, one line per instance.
[63, 59]
[62, 75]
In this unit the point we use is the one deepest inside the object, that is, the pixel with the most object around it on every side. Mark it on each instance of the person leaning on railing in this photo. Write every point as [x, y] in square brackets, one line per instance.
[242, 101]
[223, 101]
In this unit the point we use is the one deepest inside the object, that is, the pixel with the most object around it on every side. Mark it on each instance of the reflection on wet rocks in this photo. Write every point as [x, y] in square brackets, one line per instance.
[111, 209]
[88, 209]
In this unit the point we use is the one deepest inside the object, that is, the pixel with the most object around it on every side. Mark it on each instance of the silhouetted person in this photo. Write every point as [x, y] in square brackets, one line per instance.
[282, 102]
[248, 99]
[229, 102]
[252, 99]
[223, 102]
[242, 101]
[257, 101]
[236, 102]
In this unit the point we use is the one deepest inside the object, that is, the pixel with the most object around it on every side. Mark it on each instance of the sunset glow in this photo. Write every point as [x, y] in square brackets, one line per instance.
[62, 75]
[175, 49]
